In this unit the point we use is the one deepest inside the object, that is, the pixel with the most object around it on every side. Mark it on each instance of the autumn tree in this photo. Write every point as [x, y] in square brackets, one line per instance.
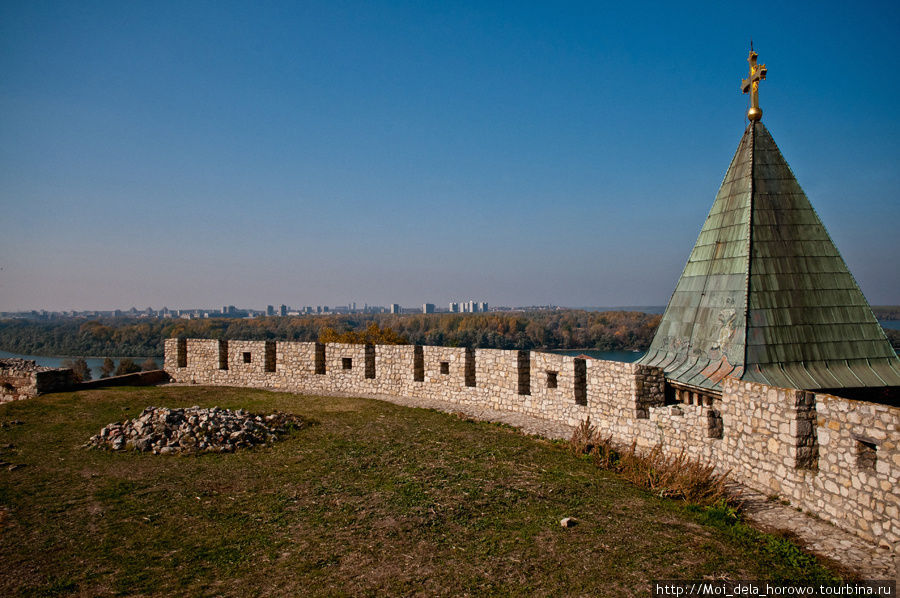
[127, 366]
[79, 367]
[372, 335]
[108, 367]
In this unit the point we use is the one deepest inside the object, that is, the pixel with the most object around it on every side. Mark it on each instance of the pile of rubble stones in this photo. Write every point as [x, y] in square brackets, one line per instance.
[165, 431]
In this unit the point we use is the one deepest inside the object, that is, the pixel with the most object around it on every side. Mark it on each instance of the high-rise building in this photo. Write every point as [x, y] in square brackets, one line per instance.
[395, 308]
[428, 308]
[483, 307]
[270, 310]
[454, 308]
[283, 310]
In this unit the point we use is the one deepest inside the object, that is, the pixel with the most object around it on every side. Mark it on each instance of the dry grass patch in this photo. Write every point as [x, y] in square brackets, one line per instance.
[669, 476]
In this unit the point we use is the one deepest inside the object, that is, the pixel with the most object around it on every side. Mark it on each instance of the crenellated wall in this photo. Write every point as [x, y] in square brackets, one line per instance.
[834, 457]
[495, 378]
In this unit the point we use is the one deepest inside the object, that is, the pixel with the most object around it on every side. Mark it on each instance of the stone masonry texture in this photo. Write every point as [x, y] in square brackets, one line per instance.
[23, 379]
[833, 457]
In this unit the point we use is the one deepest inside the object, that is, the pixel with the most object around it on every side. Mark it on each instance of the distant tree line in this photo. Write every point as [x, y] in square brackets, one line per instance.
[96, 338]
[372, 335]
[564, 329]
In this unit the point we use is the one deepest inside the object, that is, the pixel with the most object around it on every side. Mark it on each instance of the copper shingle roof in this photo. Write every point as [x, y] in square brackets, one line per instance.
[765, 296]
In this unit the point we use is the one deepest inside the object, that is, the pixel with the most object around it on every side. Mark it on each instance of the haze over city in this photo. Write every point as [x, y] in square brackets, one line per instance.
[234, 153]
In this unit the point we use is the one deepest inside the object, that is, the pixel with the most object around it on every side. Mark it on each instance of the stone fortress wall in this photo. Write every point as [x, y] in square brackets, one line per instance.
[836, 458]
[23, 379]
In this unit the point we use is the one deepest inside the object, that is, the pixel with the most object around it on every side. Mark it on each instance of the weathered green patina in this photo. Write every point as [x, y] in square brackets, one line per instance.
[765, 296]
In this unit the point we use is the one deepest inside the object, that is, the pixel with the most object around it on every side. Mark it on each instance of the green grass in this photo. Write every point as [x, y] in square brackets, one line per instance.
[372, 499]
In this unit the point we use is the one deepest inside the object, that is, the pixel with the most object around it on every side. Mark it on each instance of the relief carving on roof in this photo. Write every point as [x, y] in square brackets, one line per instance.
[727, 318]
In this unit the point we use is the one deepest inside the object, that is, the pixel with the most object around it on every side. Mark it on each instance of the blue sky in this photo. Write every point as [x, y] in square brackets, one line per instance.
[251, 153]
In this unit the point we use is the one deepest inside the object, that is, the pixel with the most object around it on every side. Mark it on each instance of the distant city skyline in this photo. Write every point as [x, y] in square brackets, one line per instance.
[232, 311]
[172, 154]
[281, 310]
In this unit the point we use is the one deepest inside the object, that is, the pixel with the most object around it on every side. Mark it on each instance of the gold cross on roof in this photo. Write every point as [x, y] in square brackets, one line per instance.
[751, 85]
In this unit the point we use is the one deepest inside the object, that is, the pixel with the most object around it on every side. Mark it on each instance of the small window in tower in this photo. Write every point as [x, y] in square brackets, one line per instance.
[247, 357]
[347, 363]
[445, 367]
[551, 379]
[866, 454]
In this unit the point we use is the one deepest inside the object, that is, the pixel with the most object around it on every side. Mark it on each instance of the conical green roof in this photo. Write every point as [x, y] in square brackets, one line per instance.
[765, 296]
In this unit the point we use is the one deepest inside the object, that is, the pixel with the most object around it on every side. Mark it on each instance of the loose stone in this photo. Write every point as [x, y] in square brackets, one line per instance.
[166, 431]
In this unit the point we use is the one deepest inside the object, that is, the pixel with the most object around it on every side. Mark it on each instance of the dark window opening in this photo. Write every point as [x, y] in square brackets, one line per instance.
[670, 394]
[552, 379]
[347, 363]
[807, 439]
[714, 425]
[223, 355]
[270, 356]
[445, 367]
[866, 454]
[524, 367]
[370, 361]
[418, 363]
[182, 352]
[580, 382]
[246, 357]
[320, 359]
[470, 366]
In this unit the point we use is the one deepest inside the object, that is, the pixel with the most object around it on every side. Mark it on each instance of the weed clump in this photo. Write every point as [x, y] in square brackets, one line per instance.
[668, 476]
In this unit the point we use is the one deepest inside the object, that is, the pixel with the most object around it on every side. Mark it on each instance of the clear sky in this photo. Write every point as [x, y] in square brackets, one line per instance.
[189, 154]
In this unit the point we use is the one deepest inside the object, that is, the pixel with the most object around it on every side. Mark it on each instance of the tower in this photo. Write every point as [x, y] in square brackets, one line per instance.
[765, 295]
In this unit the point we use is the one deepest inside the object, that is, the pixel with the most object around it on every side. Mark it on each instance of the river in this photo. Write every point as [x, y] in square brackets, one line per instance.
[626, 356]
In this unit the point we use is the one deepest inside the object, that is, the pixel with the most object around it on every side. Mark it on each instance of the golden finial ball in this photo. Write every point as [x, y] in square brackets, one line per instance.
[754, 113]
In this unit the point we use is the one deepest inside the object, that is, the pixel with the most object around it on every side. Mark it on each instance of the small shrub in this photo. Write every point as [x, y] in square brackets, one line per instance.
[79, 367]
[108, 367]
[720, 513]
[677, 476]
[605, 456]
[127, 366]
[582, 441]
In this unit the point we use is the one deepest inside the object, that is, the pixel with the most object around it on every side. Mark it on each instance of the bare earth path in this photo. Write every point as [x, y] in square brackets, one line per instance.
[822, 538]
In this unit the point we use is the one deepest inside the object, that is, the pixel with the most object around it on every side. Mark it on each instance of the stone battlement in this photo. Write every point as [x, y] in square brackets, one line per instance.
[833, 457]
